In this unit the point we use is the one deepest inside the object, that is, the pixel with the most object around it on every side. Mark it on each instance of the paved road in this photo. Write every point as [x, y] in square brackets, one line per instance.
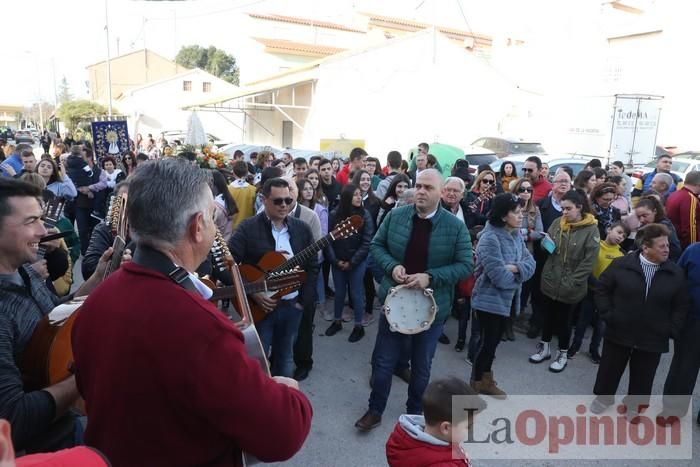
[338, 389]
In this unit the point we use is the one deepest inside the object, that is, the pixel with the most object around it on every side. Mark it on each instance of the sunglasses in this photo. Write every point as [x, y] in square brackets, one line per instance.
[488, 182]
[524, 190]
[280, 201]
[525, 169]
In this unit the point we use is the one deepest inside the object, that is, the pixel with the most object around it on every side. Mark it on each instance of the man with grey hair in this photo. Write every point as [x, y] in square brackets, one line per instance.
[662, 183]
[156, 360]
[440, 255]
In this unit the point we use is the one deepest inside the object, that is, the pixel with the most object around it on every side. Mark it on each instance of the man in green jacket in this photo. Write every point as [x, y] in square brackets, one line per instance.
[421, 246]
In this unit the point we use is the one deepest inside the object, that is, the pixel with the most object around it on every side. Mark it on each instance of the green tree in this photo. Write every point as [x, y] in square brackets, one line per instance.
[64, 94]
[213, 60]
[73, 112]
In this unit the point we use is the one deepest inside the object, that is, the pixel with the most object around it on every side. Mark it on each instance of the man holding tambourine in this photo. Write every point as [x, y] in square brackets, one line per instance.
[429, 251]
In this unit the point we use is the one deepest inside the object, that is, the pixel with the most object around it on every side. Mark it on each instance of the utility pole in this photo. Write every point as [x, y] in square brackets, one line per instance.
[109, 64]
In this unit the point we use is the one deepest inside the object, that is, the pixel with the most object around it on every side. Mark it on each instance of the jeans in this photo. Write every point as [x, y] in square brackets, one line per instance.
[587, 315]
[85, 225]
[463, 310]
[492, 326]
[556, 319]
[279, 331]
[612, 365]
[474, 337]
[387, 353]
[354, 279]
[684, 368]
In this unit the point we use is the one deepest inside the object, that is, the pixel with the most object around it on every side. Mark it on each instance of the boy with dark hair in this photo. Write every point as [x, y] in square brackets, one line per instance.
[434, 438]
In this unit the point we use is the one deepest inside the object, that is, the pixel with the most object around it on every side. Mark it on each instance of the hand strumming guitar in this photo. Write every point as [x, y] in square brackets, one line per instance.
[265, 302]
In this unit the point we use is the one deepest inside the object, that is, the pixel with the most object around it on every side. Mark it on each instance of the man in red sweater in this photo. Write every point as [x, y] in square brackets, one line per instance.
[683, 209]
[164, 374]
[357, 161]
[532, 169]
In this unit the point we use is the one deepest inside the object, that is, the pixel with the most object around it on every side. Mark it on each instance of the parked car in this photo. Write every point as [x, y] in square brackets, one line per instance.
[575, 162]
[476, 155]
[503, 147]
[6, 133]
[24, 136]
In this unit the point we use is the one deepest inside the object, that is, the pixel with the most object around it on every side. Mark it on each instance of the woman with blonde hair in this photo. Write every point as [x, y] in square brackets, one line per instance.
[480, 197]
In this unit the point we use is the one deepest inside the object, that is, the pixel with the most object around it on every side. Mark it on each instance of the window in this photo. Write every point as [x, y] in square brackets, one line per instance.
[206, 86]
[187, 85]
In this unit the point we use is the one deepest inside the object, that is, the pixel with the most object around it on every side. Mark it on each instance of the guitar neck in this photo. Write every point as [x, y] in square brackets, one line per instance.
[250, 288]
[301, 257]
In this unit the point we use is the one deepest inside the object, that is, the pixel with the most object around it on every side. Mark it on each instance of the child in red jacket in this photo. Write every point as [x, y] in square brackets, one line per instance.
[433, 439]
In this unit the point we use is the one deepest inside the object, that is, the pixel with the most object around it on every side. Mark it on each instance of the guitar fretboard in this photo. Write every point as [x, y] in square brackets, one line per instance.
[301, 257]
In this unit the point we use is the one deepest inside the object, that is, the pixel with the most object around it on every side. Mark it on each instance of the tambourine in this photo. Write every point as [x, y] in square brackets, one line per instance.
[409, 311]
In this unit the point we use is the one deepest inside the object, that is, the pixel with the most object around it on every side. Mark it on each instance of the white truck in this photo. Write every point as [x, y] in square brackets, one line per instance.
[619, 127]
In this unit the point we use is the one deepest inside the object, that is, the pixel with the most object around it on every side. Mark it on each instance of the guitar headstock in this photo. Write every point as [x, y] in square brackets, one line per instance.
[53, 210]
[222, 260]
[116, 215]
[291, 278]
[347, 227]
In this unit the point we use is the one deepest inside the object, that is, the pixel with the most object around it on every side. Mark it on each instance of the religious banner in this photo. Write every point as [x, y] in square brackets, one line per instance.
[110, 138]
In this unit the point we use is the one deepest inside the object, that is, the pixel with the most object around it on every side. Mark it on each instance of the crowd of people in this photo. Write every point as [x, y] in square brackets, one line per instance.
[579, 251]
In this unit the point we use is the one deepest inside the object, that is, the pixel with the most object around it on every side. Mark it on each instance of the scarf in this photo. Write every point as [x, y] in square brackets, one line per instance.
[565, 226]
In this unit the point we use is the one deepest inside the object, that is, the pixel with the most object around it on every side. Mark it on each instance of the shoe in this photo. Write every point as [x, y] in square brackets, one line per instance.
[598, 407]
[368, 421]
[404, 375]
[348, 315]
[301, 373]
[334, 328]
[459, 346]
[98, 216]
[328, 313]
[542, 353]
[329, 293]
[509, 330]
[488, 387]
[469, 360]
[533, 332]
[573, 350]
[443, 339]
[558, 365]
[358, 332]
[368, 319]
[595, 357]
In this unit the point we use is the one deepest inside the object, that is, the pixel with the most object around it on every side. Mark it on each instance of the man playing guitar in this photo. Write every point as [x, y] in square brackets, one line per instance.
[39, 418]
[274, 230]
[164, 374]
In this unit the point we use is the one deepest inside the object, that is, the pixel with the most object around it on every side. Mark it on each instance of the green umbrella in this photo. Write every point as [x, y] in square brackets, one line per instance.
[445, 154]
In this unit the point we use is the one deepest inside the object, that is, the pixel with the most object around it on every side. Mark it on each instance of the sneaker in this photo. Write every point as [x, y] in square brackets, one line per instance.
[348, 315]
[598, 407]
[595, 357]
[559, 364]
[542, 353]
[358, 332]
[334, 328]
[443, 339]
[368, 319]
[469, 360]
[573, 350]
[459, 346]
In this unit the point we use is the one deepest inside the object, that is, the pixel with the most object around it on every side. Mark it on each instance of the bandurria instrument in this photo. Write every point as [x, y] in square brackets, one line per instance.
[274, 262]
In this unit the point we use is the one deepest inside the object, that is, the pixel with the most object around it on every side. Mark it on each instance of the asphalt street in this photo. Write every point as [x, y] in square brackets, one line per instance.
[338, 387]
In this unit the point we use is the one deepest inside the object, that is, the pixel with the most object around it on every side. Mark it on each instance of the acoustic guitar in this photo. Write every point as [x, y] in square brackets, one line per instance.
[220, 261]
[275, 262]
[48, 358]
[53, 210]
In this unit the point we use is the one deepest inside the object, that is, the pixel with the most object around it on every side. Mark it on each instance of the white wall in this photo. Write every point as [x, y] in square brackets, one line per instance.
[159, 107]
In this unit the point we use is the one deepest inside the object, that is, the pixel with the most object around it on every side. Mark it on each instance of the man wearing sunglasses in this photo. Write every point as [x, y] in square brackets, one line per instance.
[273, 229]
[532, 169]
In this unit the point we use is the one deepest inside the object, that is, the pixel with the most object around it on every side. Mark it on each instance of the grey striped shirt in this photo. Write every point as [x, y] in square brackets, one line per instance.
[649, 269]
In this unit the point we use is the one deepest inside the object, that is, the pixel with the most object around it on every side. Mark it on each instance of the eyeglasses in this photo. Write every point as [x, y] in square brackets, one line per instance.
[562, 182]
[280, 201]
[488, 181]
[522, 189]
[525, 169]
